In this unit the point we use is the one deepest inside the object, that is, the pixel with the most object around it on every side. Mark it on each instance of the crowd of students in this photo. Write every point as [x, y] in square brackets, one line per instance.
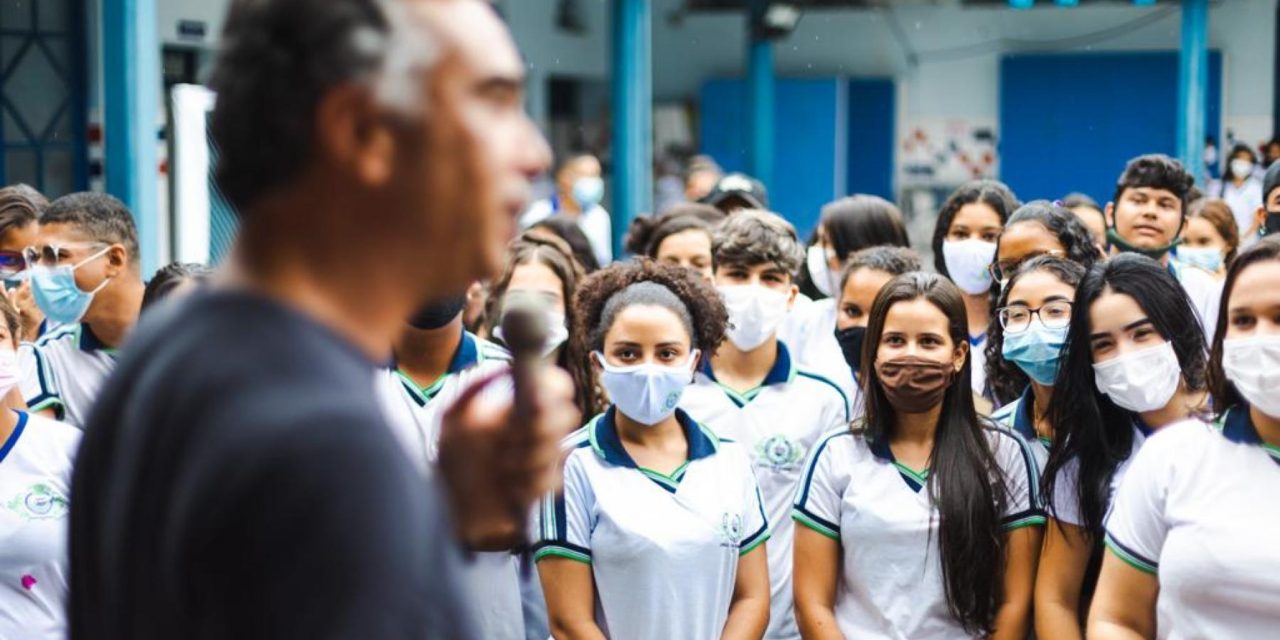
[1071, 424]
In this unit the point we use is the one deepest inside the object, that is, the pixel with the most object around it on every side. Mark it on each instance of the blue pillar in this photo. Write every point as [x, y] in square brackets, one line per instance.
[632, 115]
[760, 96]
[131, 78]
[1193, 85]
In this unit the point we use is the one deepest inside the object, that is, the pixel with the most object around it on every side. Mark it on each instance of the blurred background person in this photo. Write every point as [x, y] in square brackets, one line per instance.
[681, 236]
[579, 191]
[1211, 238]
[1240, 187]
[175, 279]
[20, 210]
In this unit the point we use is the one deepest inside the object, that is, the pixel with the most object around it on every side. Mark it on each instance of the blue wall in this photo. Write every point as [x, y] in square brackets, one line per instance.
[1069, 122]
[808, 147]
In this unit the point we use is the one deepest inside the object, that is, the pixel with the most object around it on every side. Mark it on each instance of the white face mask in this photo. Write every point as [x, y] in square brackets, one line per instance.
[9, 373]
[1253, 366]
[557, 333]
[820, 270]
[1241, 168]
[1140, 381]
[646, 393]
[967, 262]
[754, 314]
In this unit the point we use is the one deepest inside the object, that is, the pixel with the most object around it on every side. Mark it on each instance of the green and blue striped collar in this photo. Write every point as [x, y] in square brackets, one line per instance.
[1237, 426]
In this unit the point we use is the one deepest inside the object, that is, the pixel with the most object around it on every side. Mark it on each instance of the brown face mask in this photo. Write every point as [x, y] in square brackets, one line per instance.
[914, 384]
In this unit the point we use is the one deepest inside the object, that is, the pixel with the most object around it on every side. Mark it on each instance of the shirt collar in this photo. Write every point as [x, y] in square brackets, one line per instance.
[1023, 422]
[781, 372]
[467, 355]
[1238, 427]
[607, 444]
[89, 342]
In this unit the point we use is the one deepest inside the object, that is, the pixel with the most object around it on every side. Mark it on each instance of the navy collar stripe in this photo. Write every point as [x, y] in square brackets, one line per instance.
[702, 443]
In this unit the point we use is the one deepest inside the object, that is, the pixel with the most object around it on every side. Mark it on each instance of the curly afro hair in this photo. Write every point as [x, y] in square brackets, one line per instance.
[701, 300]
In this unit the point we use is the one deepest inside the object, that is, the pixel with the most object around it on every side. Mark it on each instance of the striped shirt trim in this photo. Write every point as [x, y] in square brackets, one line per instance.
[844, 397]
[811, 521]
[1131, 557]
[803, 496]
[560, 549]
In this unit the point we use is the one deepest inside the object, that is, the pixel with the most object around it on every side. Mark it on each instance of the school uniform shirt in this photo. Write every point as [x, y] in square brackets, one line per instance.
[1244, 201]
[1066, 500]
[64, 370]
[663, 549]
[812, 340]
[594, 222]
[890, 583]
[1204, 290]
[413, 413]
[978, 364]
[778, 422]
[1016, 416]
[413, 410]
[1198, 510]
[35, 479]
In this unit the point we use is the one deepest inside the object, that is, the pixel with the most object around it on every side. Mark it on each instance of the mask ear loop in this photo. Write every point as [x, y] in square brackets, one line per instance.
[87, 261]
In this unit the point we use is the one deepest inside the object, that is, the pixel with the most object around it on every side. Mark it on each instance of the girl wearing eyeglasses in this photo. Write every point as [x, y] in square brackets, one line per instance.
[1031, 326]
[1133, 362]
[1037, 228]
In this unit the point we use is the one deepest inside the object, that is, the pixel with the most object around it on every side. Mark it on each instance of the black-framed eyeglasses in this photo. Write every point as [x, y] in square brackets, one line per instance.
[1002, 270]
[1017, 318]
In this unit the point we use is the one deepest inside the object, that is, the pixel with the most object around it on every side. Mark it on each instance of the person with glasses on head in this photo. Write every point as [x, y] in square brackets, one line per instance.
[1032, 317]
[1134, 361]
[1191, 534]
[20, 209]
[84, 272]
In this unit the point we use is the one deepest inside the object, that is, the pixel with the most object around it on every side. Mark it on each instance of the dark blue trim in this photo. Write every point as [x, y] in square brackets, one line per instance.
[13, 437]
[779, 373]
[813, 464]
[1029, 463]
[700, 445]
[1139, 556]
[976, 341]
[880, 448]
[1022, 515]
[755, 537]
[467, 355]
[1023, 422]
[563, 544]
[822, 521]
[1238, 427]
[90, 342]
[1141, 426]
[843, 397]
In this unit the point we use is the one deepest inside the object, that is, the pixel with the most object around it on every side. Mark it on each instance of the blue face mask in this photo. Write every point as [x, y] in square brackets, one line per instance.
[1206, 258]
[588, 192]
[1036, 351]
[56, 293]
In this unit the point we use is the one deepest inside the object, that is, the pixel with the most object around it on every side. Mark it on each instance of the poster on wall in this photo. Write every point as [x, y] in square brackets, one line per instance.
[948, 151]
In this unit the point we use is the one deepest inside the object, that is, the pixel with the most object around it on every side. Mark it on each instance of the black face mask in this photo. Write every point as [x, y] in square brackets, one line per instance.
[851, 346]
[438, 314]
[1271, 225]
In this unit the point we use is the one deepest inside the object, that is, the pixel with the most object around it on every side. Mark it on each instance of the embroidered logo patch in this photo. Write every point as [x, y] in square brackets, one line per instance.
[730, 530]
[779, 452]
[40, 502]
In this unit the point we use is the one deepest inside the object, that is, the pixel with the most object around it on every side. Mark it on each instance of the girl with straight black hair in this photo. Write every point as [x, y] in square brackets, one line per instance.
[1134, 361]
[964, 246]
[1038, 228]
[876, 557]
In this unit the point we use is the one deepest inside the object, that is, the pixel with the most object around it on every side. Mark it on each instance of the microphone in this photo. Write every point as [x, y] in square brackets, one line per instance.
[524, 330]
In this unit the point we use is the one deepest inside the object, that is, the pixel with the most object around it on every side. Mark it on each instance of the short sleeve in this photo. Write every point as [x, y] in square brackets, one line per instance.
[564, 519]
[821, 491]
[1064, 504]
[1136, 527]
[37, 385]
[1023, 506]
[753, 514]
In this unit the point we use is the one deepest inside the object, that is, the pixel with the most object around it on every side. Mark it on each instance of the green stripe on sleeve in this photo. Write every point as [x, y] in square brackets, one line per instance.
[751, 547]
[1129, 558]
[1029, 521]
[559, 552]
[805, 520]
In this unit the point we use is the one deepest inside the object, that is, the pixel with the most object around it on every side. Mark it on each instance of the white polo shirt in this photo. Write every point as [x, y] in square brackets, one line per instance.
[778, 422]
[663, 549]
[414, 411]
[414, 414]
[1065, 501]
[1198, 509]
[890, 583]
[1016, 416]
[64, 370]
[35, 482]
[812, 340]
[1204, 290]
[594, 222]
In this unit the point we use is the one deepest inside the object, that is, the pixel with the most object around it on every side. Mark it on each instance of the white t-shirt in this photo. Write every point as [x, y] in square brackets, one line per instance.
[594, 222]
[413, 413]
[890, 579]
[779, 422]
[1198, 509]
[64, 370]
[1204, 290]
[810, 332]
[978, 364]
[35, 483]
[663, 549]
[1066, 500]
[1243, 201]
[1016, 416]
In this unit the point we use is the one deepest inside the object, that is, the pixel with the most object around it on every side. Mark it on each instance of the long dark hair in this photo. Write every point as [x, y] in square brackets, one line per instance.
[852, 224]
[971, 497]
[992, 193]
[1088, 427]
[1005, 379]
[1225, 394]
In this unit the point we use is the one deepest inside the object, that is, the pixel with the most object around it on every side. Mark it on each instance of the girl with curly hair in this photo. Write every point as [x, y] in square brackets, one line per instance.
[659, 531]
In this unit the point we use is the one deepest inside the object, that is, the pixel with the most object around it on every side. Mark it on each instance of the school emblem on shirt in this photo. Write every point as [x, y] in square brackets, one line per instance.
[730, 530]
[40, 502]
[779, 452]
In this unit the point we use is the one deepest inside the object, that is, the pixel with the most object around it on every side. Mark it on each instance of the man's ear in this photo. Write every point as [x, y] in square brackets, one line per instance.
[116, 259]
[354, 134]
[1109, 215]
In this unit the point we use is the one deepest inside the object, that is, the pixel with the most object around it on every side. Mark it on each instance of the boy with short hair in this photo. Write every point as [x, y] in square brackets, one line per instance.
[751, 391]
